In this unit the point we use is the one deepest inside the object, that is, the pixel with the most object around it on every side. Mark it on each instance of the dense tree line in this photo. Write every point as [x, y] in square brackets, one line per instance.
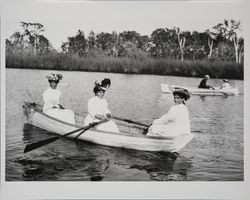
[220, 43]
[30, 41]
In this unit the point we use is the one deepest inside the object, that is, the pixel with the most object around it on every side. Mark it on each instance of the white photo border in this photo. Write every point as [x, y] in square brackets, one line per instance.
[129, 190]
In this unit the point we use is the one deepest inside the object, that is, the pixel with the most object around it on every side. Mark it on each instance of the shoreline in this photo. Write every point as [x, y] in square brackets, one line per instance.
[126, 72]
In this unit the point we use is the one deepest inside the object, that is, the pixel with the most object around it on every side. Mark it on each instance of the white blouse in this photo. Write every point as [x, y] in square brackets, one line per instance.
[175, 122]
[97, 106]
[225, 86]
[51, 98]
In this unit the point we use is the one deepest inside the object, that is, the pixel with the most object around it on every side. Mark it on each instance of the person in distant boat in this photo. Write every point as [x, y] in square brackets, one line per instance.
[203, 83]
[98, 109]
[225, 84]
[51, 98]
[176, 122]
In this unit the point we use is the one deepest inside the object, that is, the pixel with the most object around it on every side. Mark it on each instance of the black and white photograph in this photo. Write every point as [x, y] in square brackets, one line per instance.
[148, 95]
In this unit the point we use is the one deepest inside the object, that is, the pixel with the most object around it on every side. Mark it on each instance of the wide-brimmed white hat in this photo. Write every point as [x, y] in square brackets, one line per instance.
[206, 76]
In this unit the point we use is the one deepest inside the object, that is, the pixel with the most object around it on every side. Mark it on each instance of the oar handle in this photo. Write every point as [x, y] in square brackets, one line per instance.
[91, 125]
[131, 126]
[129, 121]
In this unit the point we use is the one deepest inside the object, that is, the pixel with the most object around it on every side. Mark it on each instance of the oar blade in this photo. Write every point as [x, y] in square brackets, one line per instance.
[38, 144]
[41, 143]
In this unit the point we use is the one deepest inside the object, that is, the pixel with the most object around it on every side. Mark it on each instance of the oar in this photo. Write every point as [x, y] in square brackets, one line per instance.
[131, 126]
[129, 121]
[92, 125]
[146, 130]
[41, 143]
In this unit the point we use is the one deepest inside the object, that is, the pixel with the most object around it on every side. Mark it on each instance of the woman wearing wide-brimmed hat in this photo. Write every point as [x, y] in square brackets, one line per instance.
[176, 121]
[51, 98]
[98, 108]
[225, 84]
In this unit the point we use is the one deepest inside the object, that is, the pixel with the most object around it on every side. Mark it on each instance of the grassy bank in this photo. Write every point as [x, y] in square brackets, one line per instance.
[197, 68]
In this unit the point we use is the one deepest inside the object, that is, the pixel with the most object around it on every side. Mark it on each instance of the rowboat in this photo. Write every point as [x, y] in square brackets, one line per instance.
[166, 88]
[137, 141]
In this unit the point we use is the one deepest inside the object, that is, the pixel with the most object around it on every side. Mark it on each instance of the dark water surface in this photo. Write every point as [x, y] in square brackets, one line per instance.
[215, 154]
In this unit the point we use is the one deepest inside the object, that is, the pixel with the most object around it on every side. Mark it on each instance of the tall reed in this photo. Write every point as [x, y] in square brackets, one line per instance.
[145, 65]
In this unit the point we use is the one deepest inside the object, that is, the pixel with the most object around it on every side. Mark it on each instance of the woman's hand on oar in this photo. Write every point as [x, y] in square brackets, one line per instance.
[41, 143]
[129, 121]
[146, 130]
[92, 125]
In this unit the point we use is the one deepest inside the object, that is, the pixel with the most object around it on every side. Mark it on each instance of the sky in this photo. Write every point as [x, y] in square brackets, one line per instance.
[62, 19]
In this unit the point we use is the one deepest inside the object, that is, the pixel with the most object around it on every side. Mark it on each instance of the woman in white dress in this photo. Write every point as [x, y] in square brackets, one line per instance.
[98, 109]
[51, 98]
[176, 122]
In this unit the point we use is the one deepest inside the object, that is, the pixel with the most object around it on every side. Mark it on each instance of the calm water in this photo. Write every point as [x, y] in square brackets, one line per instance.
[215, 154]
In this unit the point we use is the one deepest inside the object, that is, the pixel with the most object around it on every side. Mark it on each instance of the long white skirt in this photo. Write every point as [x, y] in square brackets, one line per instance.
[106, 126]
[166, 130]
[65, 115]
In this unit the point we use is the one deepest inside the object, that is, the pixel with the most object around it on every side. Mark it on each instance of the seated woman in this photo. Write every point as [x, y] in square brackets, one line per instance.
[98, 110]
[51, 98]
[176, 122]
[225, 84]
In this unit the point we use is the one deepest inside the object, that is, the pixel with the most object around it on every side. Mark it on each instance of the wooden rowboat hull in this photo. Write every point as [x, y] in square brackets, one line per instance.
[123, 140]
[165, 88]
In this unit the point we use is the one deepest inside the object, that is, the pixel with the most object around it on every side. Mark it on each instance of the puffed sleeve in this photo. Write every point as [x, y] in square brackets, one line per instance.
[47, 101]
[92, 108]
[106, 109]
[170, 116]
[59, 95]
[45, 97]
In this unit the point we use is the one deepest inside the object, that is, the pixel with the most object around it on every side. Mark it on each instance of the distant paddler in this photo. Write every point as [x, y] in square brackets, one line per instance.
[176, 121]
[51, 98]
[203, 83]
[98, 108]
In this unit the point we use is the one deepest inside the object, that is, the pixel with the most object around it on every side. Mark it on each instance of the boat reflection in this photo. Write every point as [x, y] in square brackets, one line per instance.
[60, 160]
[74, 160]
[161, 166]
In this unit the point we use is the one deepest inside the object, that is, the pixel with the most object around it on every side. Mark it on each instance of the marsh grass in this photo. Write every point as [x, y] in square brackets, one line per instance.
[145, 65]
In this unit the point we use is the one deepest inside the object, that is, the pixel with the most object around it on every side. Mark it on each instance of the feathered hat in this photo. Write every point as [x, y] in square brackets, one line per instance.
[183, 93]
[54, 77]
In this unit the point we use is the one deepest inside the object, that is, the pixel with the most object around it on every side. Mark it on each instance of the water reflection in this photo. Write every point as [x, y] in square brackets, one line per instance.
[205, 97]
[62, 160]
[69, 160]
[164, 167]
